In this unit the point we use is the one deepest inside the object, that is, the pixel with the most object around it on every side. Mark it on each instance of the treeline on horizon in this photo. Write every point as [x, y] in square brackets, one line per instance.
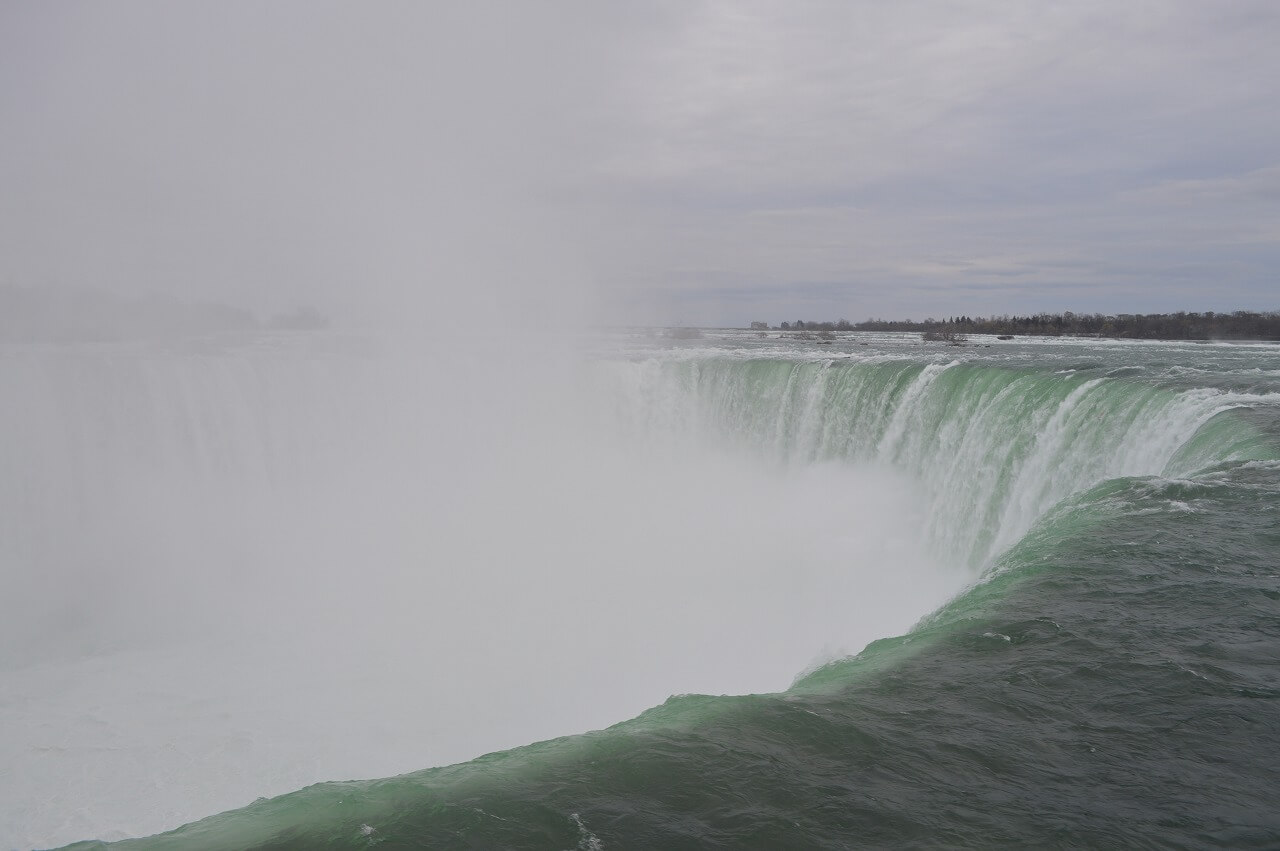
[1238, 325]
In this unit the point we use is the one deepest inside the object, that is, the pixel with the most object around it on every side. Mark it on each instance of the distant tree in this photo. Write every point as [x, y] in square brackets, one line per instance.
[944, 335]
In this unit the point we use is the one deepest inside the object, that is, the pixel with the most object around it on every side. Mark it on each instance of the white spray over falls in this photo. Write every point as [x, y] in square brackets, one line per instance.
[991, 449]
[243, 567]
[236, 567]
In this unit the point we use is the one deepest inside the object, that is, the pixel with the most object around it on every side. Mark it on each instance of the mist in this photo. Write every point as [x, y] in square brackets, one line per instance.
[242, 567]
[385, 165]
[239, 561]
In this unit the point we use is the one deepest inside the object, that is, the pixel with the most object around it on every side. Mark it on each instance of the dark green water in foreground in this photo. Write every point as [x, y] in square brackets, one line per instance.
[1112, 682]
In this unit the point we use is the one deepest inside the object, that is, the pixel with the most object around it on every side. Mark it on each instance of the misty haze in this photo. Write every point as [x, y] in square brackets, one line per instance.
[402, 443]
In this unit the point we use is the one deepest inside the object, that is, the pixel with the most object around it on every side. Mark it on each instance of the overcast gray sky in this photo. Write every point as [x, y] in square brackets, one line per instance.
[694, 162]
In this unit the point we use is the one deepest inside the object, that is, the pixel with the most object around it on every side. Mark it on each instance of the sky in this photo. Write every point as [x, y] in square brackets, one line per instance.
[698, 163]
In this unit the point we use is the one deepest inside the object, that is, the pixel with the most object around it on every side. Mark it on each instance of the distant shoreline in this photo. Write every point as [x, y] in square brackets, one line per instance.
[1238, 326]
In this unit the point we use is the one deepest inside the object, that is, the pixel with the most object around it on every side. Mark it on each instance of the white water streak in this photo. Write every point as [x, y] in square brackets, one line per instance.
[890, 444]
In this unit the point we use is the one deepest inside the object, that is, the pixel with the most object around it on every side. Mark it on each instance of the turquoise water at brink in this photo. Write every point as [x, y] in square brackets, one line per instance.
[1107, 679]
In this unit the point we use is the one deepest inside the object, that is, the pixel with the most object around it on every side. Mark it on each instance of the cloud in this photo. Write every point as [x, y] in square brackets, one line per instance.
[1255, 187]
[481, 155]
[937, 143]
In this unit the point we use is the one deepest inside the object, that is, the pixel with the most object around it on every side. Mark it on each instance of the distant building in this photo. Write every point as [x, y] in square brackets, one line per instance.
[759, 326]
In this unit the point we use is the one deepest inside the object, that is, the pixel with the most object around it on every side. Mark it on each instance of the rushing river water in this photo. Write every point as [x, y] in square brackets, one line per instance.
[1016, 593]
